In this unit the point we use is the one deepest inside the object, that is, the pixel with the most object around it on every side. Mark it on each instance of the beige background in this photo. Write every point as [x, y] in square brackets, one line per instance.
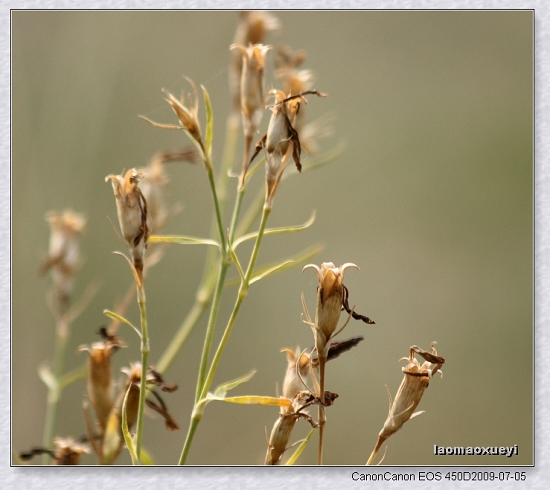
[432, 199]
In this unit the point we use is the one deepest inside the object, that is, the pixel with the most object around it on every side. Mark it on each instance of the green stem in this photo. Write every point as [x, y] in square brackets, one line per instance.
[210, 329]
[236, 212]
[144, 358]
[208, 282]
[217, 208]
[195, 420]
[243, 291]
[54, 393]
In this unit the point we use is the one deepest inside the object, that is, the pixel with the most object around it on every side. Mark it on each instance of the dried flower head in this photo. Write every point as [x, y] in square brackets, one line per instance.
[113, 439]
[416, 380]
[330, 299]
[67, 451]
[293, 81]
[297, 362]
[280, 436]
[252, 29]
[254, 25]
[252, 84]
[63, 259]
[100, 378]
[252, 93]
[187, 116]
[284, 425]
[132, 213]
[281, 140]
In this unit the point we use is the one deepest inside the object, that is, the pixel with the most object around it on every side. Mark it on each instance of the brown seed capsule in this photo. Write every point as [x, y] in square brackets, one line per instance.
[292, 384]
[330, 297]
[280, 435]
[113, 439]
[415, 381]
[100, 378]
[252, 29]
[67, 451]
[188, 117]
[63, 259]
[132, 213]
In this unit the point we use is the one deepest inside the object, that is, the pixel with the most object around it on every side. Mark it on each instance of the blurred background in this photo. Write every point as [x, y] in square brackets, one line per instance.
[432, 198]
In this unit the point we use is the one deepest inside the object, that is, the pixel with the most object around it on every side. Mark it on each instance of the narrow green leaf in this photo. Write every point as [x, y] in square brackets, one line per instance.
[222, 389]
[74, 375]
[125, 431]
[299, 449]
[236, 260]
[257, 277]
[114, 316]
[274, 231]
[296, 260]
[209, 121]
[183, 240]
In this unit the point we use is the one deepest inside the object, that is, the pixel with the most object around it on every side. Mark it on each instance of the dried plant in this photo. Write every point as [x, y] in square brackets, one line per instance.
[114, 409]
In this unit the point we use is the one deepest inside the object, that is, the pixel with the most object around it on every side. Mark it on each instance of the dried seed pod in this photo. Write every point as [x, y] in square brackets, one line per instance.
[416, 380]
[100, 377]
[252, 85]
[282, 429]
[113, 440]
[132, 214]
[292, 384]
[63, 259]
[330, 297]
[66, 452]
[252, 94]
[252, 29]
[280, 435]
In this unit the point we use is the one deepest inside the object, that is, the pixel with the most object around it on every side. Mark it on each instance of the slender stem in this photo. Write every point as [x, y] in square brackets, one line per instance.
[195, 420]
[208, 282]
[144, 357]
[54, 393]
[210, 329]
[372, 457]
[217, 208]
[243, 291]
[322, 413]
[236, 212]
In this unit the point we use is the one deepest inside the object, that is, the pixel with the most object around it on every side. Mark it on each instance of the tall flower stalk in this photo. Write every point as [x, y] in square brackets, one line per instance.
[133, 220]
[62, 261]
